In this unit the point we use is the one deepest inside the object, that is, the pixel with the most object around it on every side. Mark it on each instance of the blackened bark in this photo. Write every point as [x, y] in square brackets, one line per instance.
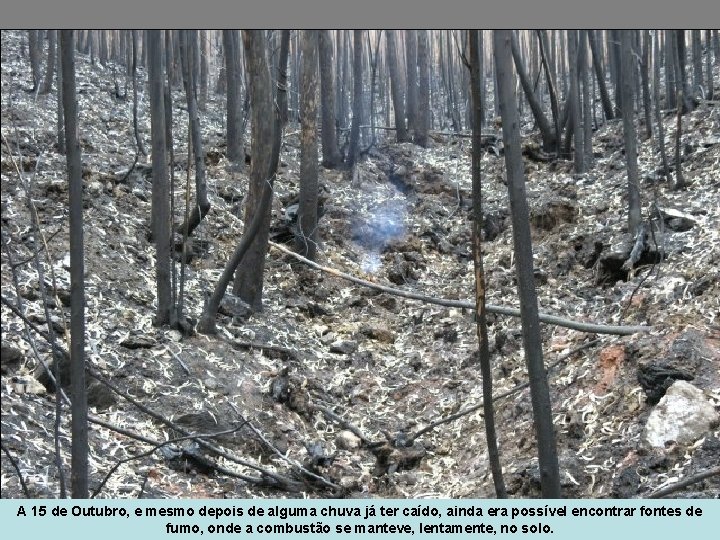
[697, 61]
[331, 155]
[423, 80]
[645, 74]
[575, 111]
[708, 66]
[282, 83]
[250, 273]
[188, 46]
[588, 100]
[658, 112]
[683, 84]
[138, 139]
[679, 176]
[411, 67]
[357, 107]
[522, 241]
[235, 146]
[34, 52]
[79, 427]
[51, 57]
[629, 134]
[398, 98]
[60, 111]
[161, 229]
[600, 76]
[546, 131]
[481, 313]
[551, 82]
[306, 240]
[670, 82]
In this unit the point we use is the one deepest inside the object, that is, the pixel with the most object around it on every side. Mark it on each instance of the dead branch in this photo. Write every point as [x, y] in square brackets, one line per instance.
[500, 396]
[500, 310]
[267, 478]
[13, 462]
[664, 492]
[150, 452]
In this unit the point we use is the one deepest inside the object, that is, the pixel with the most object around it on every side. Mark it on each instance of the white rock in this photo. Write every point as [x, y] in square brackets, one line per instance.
[347, 440]
[683, 415]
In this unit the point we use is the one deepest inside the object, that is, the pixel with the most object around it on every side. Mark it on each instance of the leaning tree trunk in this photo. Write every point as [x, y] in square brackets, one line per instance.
[551, 82]
[600, 76]
[249, 275]
[522, 241]
[546, 131]
[188, 46]
[265, 145]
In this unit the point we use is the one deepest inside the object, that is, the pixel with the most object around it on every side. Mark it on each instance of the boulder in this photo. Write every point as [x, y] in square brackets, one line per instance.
[683, 415]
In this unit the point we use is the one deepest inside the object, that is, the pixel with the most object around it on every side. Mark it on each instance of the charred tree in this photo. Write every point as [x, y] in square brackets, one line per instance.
[411, 67]
[306, 240]
[50, 66]
[600, 76]
[547, 133]
[250, 274]
[398, 98]
[79, 450]
[282, 82]
[265, 148]
[331, 155]
[629, 134]
[233, 107]
[188, 48]
[422, 119]
[481, 313]
[539, 389]
[658, 113]
[357, 106]
[161, 229]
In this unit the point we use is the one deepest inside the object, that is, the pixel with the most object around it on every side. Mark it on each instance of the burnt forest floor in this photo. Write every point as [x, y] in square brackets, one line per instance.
[385, 366]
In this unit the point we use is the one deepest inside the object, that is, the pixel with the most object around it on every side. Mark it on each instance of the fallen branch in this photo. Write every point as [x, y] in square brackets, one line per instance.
[15, 465]
[267, 478]
[500, 310]
[150, 452]
[664, 492]
[500, 396]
